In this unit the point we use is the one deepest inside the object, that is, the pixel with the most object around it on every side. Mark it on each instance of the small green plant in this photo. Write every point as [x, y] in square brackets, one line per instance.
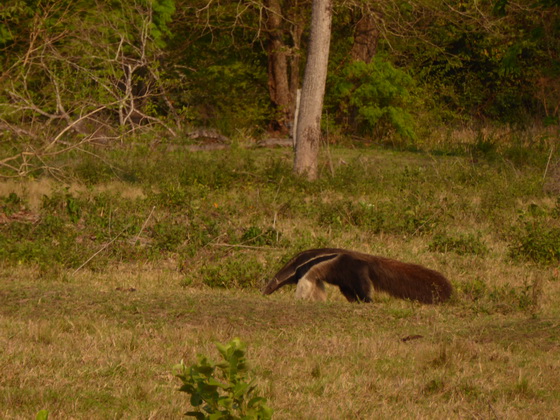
[345, 212]
[169, 234]
[462, 244]
[537, 242]
[10, 204]
[474, 290]
[240, 270]
[256, 236]
[223, 391]
[505, 298]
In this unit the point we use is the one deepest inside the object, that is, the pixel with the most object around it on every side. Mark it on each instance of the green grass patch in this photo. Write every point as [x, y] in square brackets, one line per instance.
[104, 345]
[149, 257]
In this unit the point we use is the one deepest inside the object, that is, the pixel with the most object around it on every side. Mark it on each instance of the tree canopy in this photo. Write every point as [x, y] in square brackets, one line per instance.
[76, 71]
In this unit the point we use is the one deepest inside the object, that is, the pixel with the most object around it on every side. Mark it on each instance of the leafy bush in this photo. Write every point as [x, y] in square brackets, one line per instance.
[172, 196]
[537, 242]
[240, 271]
[375, 96]
[48, 242]
[474, 290]
[232, 95]
[223, 390]
[169, 235]
[11, 204]
[350, 213]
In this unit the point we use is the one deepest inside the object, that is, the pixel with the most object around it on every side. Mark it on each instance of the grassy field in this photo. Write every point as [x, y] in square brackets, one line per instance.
[115, 273]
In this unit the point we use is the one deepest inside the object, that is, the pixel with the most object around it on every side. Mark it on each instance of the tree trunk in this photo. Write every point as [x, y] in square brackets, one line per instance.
[308, 134]
[297, 26]
[278, 79]
[366, 37]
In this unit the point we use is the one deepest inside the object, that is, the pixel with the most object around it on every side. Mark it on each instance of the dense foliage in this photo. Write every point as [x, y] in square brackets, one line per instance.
[374, 98]
[76, 71]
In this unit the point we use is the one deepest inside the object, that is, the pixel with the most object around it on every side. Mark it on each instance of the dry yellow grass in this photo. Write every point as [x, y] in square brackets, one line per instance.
[102, 345]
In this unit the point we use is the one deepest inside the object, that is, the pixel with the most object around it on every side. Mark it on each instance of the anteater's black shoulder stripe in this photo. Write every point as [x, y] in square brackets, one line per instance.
[298, 266]
[302, 269]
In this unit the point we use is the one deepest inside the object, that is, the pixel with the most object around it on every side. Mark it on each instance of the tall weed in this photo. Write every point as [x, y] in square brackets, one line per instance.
[223, 390]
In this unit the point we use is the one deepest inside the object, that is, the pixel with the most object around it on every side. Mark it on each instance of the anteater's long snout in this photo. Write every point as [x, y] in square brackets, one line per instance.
[270, 287]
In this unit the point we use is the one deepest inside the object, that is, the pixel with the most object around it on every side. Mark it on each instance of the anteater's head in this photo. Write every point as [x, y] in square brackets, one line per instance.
[297, 267]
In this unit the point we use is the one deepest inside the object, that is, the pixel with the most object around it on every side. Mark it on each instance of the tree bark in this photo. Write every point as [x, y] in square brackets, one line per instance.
[366, 36]
[308, 134]
[278, 79]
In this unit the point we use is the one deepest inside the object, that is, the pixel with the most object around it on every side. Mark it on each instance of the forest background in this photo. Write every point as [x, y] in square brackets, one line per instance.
[402, 72]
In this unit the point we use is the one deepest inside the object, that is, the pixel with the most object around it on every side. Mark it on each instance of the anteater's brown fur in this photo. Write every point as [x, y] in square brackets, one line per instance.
[356, 273]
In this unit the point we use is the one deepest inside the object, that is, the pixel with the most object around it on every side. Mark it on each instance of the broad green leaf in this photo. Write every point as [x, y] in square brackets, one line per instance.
[42, 415]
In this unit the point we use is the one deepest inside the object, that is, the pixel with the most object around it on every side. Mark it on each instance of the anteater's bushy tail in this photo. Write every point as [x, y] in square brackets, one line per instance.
[409, 281]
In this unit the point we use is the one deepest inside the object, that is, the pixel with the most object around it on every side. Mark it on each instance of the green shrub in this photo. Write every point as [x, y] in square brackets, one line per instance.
[174, 196]
[416, 219]
[537, 242]
[344, 213]
[50, 241]
[390, 217]
[375, 96]
[242, 271]
[169, 235]
[10, 204]
[462, 244]
[474, 290]
[508, 296]
[223, 390]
